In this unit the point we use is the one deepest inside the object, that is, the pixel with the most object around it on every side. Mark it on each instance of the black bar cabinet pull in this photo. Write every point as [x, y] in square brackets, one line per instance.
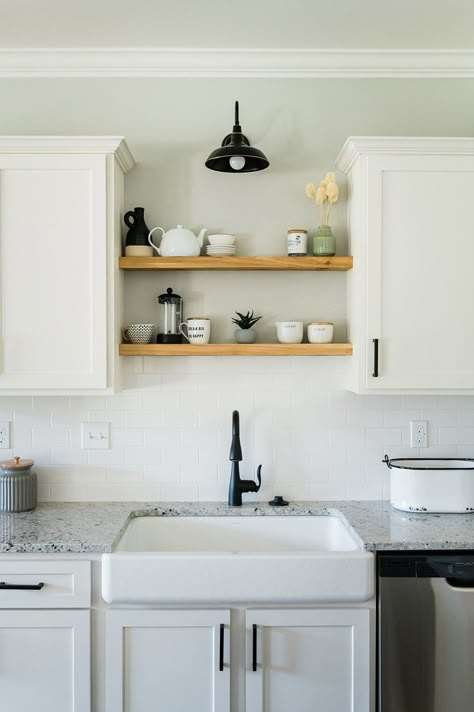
[254, 647]
[221, 648]
[376, 358]
[21, 586]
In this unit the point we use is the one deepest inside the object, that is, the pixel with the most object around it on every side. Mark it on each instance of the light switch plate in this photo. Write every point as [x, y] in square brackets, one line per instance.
[95, 436]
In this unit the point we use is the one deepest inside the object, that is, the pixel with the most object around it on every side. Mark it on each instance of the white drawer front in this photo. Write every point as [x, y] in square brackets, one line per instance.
[66, 584]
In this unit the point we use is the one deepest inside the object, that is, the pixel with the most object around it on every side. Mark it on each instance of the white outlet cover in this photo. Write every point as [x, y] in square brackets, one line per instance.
[4, 435]
[419, 433]
[95, 436]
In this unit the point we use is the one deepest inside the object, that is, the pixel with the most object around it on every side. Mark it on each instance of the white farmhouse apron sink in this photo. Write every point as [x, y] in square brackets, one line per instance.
[237, 559]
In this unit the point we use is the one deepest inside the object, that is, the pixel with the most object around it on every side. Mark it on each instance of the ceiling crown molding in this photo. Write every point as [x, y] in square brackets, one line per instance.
[278, 63]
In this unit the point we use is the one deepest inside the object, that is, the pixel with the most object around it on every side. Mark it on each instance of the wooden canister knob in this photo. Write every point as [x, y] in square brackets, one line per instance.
[17, 460]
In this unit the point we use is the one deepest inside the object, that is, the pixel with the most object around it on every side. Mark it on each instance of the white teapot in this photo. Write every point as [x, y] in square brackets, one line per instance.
[178, 242]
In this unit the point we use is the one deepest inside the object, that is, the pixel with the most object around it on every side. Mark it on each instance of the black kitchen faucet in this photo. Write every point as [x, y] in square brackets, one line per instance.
[236, 485]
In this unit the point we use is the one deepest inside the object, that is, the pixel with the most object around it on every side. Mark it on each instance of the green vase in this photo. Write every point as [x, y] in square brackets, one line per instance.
[324, 242]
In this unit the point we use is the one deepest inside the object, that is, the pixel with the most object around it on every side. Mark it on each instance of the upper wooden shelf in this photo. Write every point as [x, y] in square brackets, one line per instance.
[260, 262]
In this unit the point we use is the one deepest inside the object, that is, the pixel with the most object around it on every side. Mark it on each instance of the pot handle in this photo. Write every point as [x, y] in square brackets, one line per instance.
[387, 462]
[157, 249]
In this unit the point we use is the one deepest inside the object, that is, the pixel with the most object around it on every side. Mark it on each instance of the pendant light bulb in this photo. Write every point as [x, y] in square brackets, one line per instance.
[237, 162]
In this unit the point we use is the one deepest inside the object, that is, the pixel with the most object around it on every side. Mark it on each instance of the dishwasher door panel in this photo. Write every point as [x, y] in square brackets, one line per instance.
[426, 646]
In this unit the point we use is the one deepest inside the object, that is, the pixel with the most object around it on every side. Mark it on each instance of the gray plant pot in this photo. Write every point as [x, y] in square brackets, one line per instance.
[245, 336]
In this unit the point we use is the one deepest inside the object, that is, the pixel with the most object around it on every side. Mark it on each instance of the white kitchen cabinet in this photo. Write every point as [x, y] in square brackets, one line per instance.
[167, 659]
[60, 289]
[308, 660]
[45, 660]
[411, 228]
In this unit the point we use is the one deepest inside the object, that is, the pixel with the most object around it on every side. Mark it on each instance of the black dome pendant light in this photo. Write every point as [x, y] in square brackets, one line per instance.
[236, 155]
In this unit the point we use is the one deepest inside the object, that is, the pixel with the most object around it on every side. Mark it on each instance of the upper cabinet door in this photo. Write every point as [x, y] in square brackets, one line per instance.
[412, 236]
[53, 271]
[60, 205]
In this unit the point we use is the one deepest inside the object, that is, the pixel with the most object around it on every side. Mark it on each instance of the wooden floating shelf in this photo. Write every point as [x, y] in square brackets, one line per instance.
[235, 349]
[340, 264]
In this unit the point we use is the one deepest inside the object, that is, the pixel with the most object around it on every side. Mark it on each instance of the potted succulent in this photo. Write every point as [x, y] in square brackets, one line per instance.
[245, 334]
[325, 195]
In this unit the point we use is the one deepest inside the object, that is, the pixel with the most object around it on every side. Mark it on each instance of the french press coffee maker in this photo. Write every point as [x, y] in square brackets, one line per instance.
[171, 316]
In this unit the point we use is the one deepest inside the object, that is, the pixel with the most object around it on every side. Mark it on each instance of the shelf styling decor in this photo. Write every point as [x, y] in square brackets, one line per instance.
[245, 334]
[325, 195]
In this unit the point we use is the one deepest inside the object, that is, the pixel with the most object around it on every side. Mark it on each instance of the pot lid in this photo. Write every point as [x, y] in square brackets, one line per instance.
[16, 464]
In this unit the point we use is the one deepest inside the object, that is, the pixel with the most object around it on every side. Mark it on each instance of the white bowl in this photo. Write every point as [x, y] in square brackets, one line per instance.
[222, 239]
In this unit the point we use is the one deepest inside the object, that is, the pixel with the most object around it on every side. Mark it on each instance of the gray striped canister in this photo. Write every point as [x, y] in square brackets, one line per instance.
[18, 486]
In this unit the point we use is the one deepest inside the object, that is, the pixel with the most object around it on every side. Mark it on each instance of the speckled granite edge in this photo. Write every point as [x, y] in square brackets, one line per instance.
[95, 527]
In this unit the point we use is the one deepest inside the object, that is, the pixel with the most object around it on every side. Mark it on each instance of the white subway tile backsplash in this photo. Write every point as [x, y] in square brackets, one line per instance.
[162, 474]
[456, 436]
[171, 432]
[49, 437]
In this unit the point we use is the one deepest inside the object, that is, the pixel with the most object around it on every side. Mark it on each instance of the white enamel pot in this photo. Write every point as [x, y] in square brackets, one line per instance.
[432, 484]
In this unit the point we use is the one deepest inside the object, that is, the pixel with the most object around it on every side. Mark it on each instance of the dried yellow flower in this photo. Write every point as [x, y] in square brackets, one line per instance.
[332, 192]
[330, 178]
[310, 190]
[320, 195]
[323, 183]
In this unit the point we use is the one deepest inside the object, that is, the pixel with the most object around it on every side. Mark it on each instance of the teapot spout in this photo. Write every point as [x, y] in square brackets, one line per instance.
[200, 237]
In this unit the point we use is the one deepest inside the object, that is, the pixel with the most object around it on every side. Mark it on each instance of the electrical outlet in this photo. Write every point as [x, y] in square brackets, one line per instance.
[419, 433]
[4, 435]
[95, 436]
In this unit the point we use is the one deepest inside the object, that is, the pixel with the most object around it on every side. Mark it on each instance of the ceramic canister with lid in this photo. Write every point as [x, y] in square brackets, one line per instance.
[18, 486]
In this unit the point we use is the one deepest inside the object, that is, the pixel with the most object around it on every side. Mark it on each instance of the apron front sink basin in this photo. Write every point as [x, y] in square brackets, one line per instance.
[237, 559]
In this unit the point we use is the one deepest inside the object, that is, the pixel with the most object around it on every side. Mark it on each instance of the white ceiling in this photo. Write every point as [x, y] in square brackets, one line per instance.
[311, 24]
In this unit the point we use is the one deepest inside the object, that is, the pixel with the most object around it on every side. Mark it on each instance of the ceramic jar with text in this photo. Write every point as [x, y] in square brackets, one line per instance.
[297, 243]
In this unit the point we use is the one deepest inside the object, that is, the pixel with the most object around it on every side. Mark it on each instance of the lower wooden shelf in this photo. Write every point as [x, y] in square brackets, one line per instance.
[235, 349]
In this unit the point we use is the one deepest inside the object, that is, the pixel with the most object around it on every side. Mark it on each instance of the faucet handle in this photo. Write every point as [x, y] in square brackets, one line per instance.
[259, 477]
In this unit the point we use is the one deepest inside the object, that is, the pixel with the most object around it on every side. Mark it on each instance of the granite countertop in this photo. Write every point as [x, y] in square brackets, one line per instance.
[95, 527]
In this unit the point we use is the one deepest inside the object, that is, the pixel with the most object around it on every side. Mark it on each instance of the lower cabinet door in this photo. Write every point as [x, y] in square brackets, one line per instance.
[168, 660]
[308, 660]
[45, 661]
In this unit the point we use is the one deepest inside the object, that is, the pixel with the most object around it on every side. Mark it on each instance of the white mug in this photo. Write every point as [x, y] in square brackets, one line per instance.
[320, 332]
[289, 332]
[198, 328]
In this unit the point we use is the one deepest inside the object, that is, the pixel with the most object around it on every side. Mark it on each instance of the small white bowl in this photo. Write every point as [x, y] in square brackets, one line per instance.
[222, 239]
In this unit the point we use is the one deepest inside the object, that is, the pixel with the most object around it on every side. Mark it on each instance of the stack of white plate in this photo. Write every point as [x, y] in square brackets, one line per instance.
[220, 250]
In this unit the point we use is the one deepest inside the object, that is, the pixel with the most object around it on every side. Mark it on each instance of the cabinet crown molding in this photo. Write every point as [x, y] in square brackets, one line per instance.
[237, 62]
[115, 145]
[357, 146]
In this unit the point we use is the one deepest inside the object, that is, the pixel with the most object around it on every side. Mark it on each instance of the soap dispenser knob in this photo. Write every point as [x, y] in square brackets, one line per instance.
[278, 501]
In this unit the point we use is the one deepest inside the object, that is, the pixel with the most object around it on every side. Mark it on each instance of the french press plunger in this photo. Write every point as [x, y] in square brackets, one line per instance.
[171, 316]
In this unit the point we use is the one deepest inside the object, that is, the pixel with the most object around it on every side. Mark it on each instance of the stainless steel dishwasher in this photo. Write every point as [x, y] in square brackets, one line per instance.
[425, 636]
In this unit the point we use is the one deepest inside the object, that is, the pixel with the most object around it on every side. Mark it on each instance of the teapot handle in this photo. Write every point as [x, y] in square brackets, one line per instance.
[150, 240]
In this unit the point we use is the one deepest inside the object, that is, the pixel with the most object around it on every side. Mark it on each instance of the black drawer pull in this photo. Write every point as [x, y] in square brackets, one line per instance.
[221, 648]
[376, 358]
[21, 586]
[254, 647]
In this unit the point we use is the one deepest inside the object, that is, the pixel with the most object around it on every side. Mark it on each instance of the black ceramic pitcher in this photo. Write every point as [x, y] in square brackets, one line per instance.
[136, 242]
